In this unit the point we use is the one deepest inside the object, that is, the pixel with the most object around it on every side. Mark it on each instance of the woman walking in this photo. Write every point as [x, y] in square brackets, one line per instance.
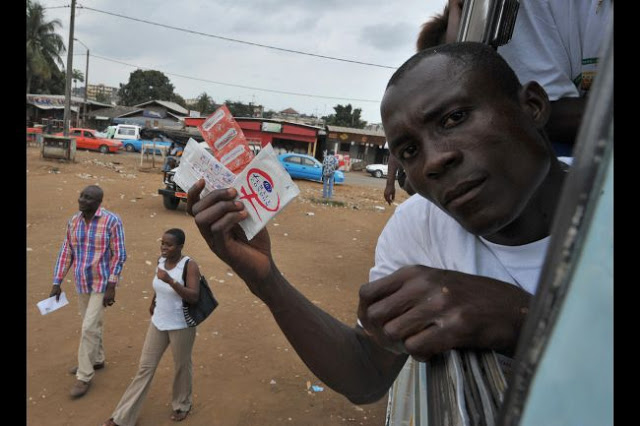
[166, 328]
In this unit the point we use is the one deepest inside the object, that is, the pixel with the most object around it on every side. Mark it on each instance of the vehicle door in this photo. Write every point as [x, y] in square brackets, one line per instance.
[80, 141]
[293, 165]
[90, 141]
[311, 169]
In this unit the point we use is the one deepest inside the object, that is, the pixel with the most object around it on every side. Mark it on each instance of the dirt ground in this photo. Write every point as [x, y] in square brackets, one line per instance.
[245, 371]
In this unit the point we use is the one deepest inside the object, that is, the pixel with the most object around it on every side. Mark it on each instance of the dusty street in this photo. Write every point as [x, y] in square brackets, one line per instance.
[245, 371]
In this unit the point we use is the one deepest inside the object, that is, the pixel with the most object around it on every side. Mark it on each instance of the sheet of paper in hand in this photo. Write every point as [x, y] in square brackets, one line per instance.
[51, 304]
[196, 163]
[225, 138]
[265, 188]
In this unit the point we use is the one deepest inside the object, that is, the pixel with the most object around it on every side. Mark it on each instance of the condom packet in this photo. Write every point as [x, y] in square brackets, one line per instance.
[265, 188]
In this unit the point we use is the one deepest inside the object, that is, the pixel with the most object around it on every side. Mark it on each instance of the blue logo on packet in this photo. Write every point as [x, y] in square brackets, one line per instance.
[267, 186]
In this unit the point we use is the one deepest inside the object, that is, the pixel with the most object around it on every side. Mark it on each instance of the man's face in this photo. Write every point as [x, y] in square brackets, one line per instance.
[464, 145]
[89, 200]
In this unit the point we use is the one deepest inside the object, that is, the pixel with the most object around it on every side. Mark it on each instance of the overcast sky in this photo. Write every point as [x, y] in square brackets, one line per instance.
[381, 32]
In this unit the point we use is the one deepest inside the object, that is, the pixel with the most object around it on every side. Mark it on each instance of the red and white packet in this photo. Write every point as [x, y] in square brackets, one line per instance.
[265, 188]
[225, 138]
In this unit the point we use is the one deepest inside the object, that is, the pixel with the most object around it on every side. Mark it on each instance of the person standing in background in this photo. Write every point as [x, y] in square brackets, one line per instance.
[329, 166]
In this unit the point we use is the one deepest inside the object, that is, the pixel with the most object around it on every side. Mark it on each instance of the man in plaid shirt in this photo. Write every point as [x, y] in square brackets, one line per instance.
[329, 166]
[94, 246]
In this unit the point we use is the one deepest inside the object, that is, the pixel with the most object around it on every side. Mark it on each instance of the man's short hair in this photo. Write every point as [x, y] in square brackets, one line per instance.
[469, 55]
[178, 234]
[95, 188]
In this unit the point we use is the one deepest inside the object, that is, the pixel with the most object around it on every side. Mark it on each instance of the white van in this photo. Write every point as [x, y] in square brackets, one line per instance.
[127, 131]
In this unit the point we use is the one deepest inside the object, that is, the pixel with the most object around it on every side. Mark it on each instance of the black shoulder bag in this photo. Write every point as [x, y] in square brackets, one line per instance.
[197, 312]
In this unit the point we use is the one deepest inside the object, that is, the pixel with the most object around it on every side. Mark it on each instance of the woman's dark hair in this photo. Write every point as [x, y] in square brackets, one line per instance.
[178, 234]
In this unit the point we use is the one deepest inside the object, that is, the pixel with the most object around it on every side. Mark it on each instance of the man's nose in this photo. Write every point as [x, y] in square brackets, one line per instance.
[439, 162]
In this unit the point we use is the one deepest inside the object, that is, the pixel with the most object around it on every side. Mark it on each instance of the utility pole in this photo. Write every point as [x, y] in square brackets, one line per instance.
[86, 85]
[67, 87]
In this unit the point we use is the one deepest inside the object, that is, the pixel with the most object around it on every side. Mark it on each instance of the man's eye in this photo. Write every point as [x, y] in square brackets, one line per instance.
[408, 152]
[454, 118]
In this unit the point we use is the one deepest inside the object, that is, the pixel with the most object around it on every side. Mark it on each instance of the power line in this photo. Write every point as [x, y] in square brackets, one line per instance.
[235, 40]
[238, 85]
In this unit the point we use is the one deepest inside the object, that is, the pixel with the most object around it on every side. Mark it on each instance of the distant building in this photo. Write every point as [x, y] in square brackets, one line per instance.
[358, 145]
[376, 127]
[294, 116]
[155, 113]
[52, 107]
[109, 93]
[287, 114]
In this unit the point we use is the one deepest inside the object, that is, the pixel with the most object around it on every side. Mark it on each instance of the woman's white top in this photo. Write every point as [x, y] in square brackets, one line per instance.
[168, 314]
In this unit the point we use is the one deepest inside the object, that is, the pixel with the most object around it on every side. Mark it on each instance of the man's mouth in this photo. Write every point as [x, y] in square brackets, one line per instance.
[460, 191]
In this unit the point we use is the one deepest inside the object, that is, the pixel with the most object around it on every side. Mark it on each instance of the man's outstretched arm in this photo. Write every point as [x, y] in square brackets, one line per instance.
[343, 357]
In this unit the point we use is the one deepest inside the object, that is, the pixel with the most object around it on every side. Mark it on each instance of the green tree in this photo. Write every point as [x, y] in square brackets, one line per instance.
[238, 109]
[53, 85]
[345, 116]
[268, 114]
[103, 98]
[77, 76]
[205, 104]
[44, 45]
[179, 100]
[146, 86]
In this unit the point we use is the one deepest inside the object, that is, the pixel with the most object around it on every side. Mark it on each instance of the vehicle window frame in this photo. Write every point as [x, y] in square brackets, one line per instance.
[293, 160]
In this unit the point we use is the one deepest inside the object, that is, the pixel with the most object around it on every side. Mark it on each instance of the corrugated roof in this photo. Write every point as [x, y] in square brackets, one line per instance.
[278, 120]
[356, 131]
[49, 101]
[167, 104]
[113, 112]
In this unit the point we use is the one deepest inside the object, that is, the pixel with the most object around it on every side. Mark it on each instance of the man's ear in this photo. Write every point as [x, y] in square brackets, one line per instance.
[535, 102]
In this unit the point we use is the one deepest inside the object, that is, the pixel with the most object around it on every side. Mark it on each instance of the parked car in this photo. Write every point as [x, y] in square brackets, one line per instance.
[135, 145]
[126, 131]
[377, 170]
[87, 139]
[301, 166]
[172, 193]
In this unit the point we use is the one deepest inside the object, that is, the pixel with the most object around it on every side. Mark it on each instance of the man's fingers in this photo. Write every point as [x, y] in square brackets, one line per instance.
[193, 195]
[220, 216]
[409, 323]
[428, 342]
[195, 204]
[397, 314]
[383, 287]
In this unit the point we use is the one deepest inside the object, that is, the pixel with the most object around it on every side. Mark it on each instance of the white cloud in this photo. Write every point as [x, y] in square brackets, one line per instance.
[370, 31]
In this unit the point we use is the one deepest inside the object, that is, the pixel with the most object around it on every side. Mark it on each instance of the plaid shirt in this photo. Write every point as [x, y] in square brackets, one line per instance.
[97, 251]
[329, 165]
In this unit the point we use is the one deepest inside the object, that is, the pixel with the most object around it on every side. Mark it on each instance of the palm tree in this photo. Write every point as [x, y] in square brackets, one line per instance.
[44, 45]
[76, 76]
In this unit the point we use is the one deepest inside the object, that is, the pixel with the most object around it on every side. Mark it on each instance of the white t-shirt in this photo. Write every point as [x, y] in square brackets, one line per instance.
[168, 313]
[551, 41]
[420, 233]
[430, 237]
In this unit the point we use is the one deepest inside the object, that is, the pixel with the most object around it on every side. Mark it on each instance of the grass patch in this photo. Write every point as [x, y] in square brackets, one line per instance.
[328, 202]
